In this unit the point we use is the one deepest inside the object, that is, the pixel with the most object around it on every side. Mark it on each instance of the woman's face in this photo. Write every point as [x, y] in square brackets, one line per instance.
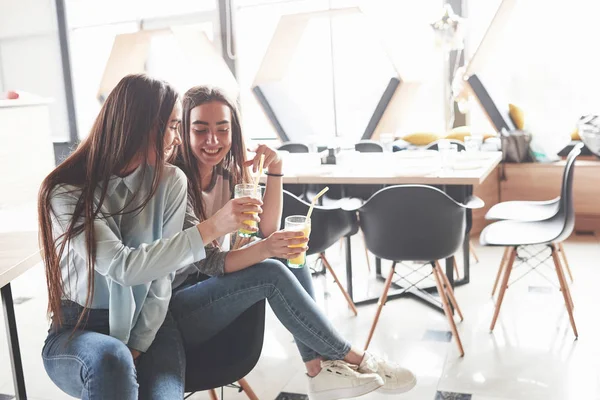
[171, 136]
[210, 132]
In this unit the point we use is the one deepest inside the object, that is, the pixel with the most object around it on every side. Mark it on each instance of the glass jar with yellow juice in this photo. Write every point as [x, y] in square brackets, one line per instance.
[248, 190]
[300, 224]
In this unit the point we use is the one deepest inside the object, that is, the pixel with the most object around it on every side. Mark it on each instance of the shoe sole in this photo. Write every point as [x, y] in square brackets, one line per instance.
[400, 390]
[336, 394]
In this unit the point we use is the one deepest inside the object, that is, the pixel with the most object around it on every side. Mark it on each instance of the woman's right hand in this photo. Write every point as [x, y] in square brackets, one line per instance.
[231, 217]
[277, 244]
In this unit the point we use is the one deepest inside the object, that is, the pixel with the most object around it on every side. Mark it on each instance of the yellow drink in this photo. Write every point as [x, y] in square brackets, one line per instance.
[248, 190]
[245, 232]
[298, 223]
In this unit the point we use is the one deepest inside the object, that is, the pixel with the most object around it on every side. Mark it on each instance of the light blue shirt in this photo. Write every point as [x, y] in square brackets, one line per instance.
[137, 253]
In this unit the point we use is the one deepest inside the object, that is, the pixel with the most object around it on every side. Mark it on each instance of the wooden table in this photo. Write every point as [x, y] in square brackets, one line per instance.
[400, 168]
[19, 252]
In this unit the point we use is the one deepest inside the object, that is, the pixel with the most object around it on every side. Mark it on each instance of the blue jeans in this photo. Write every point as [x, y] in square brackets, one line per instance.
[203, 309]
[92, 365]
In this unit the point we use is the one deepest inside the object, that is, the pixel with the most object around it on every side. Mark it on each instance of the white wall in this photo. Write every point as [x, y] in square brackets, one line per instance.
[30, 56]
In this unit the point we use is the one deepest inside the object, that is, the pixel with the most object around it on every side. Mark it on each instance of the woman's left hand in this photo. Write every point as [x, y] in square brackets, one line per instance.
[272, 161]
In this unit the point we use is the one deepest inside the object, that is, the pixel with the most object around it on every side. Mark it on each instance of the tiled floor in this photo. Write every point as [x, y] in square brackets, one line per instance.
[531, 355]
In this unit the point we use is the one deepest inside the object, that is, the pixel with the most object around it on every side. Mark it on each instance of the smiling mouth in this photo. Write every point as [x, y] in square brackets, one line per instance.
[211, 152]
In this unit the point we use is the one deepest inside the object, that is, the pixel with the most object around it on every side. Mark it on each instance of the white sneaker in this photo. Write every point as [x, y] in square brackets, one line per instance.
[396, 379]
[338, 380]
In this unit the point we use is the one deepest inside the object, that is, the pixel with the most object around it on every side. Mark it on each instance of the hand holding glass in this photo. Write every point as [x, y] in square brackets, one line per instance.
[300, 224]
[248, 190]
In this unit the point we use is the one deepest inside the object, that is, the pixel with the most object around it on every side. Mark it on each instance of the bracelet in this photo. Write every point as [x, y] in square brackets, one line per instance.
[275, 175]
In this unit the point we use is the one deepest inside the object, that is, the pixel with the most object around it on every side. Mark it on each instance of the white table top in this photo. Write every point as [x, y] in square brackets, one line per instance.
[19, 249]
[407, 167]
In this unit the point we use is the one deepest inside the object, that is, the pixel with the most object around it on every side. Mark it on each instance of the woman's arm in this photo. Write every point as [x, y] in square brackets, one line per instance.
[270, 220]
[156, 304]
[275, 246]
[129, 266]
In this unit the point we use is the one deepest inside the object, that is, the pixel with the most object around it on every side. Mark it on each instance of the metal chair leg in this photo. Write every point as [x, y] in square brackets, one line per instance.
[382, 300]
[511, 260]
[366, 251]
[500, 269]
[247, 389]
[444, 298]
[337, 281]
[564, 288]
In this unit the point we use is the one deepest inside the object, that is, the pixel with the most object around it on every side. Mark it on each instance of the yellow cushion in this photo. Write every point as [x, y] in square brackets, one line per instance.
[575, 134]
[421, 138]
[517, 115]
[460, 132]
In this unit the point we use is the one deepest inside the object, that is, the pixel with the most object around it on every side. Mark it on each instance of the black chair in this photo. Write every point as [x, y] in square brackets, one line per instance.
[233, 353]
[525, 235]
[328, 225]
[368, 146]
[294, 147]
[435, 145]
[451, 191]
[416, 223]
[533, 211]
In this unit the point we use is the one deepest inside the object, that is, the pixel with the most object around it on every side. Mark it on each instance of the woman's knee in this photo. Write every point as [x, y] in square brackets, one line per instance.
[272, 269]
[113, 362]
[89, 362]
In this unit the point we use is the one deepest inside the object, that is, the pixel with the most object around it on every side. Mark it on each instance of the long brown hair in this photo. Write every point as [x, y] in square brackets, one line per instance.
[134, 116]
[233, 162]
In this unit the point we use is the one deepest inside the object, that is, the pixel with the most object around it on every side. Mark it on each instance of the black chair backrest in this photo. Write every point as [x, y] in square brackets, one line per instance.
[434, 146]
[368, 146]
[566, 210]
[412, 223]
[294, 147]
[328, 224]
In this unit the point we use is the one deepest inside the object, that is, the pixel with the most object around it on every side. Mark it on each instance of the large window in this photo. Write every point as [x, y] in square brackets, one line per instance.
[343, 62]
[545, 62]
[94, 26]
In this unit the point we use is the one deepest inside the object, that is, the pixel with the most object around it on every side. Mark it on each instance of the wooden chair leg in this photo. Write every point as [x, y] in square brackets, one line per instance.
[247, 389]
[382, 300]
[212, 393]
[455, 267]
[500, 269]
[569, 291]
[448, 289]
[337, 281]
[472, 249]
[564, 257]
[564, 288]
[509, 264]
[447, 310]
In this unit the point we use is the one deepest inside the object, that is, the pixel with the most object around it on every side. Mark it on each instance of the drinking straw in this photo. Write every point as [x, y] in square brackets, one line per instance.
[314, 201]
[260, 171]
